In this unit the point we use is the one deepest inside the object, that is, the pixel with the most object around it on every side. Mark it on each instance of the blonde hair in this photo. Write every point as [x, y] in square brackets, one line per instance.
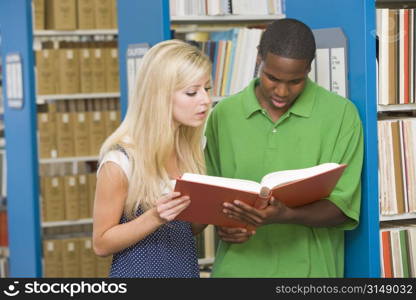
[147, 132]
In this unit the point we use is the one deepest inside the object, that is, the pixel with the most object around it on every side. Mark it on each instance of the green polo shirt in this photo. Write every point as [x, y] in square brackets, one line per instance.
[243, 142]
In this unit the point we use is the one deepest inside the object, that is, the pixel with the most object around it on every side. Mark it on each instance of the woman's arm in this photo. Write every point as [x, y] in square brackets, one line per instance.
[111, 237]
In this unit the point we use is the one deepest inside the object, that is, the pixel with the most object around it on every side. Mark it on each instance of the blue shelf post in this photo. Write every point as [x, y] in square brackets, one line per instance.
[139, 22]
[357, 20]
[21, 146]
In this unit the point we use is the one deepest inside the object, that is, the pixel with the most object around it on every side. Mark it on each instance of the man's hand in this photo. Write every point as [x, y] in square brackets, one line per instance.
[273, 213]
[234, 235]
[322, 213]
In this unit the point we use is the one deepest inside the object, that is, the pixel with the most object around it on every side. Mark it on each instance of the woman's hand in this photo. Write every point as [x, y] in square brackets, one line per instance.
[171, 205]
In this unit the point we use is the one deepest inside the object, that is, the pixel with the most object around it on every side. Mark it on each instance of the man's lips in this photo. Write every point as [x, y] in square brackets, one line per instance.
[279, 102]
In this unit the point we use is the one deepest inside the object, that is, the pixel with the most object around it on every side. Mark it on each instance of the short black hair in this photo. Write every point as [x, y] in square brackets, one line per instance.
[288, 38]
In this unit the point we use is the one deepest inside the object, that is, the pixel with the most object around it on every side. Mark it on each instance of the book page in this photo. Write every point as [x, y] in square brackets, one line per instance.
[282, 177]
[239, 184]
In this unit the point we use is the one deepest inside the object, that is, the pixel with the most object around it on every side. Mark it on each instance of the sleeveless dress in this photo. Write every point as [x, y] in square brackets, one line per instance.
[168, 252]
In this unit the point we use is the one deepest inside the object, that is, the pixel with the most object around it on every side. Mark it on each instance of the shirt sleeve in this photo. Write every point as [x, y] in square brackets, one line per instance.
[348, 150]
[211, 147]
[118, 158]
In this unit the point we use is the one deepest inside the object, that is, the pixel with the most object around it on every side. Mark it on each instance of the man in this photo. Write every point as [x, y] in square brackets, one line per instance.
[283, 121]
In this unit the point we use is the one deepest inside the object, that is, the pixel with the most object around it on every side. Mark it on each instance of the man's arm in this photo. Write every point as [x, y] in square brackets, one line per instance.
[322, 213]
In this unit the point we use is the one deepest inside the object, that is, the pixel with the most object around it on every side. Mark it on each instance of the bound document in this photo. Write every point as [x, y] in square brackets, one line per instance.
[292, 187]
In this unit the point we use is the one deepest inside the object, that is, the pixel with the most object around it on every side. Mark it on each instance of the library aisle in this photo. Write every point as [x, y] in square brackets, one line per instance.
[65, 77]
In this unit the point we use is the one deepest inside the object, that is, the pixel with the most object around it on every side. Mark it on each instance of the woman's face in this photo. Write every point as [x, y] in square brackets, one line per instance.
[191, 104]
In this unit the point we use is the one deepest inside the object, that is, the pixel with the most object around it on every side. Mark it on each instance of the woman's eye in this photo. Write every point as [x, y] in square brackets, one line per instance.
[190, 94]
[207, 89]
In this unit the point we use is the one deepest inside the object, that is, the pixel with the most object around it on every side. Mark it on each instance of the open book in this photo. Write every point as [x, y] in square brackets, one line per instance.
[292, 187]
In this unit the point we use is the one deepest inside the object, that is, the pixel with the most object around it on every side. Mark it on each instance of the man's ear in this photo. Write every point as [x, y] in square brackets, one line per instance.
[259, 59]
[308, 69]
[309, 66]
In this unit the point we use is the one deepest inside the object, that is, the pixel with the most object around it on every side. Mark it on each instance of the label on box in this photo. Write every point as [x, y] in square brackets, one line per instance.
[97, 116]
[50, 246]
[81, 117]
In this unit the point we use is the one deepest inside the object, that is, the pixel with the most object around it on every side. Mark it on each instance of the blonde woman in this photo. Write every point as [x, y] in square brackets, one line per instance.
[159, 139]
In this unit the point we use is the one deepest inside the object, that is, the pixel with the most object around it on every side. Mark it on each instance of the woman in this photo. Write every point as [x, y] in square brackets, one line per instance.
[159, 139]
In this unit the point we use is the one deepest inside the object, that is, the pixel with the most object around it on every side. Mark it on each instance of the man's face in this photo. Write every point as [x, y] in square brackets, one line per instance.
[282, 80]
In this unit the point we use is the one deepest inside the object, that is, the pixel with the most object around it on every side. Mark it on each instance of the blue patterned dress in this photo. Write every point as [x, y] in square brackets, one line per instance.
[169, 252]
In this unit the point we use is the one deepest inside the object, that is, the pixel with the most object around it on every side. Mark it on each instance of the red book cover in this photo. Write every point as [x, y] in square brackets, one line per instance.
[385, 241]
[207, 199]
[3, 229]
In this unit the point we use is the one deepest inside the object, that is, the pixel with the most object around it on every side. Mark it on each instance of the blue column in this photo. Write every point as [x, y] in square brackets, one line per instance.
[139, 22]
[21, 145]
[357, 20]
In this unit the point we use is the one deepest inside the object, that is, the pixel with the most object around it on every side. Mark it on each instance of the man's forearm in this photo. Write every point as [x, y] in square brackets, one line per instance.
[322, 213]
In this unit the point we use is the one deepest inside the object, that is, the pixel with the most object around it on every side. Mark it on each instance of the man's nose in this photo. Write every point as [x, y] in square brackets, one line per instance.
[281, 90]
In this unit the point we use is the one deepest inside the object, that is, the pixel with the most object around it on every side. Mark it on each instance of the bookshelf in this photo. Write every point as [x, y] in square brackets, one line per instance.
[74, 33]
[225, 19]
[66, 223]
[397, 108]
[74, 159]
[401, 217]
[20, 127]
[78, 113]
[42, 99]
[26, 245]
[396, 65]
[395, 3]
[151, 19]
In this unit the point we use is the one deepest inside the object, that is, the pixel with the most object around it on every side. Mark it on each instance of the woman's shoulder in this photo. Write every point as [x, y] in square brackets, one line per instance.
[119, 157]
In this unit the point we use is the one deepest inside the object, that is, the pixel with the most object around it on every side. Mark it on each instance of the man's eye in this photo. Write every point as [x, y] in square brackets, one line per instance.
[190, 94]
[272, 78]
